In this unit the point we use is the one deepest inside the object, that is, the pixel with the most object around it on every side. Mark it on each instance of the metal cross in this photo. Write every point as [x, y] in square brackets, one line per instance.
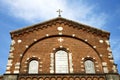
[59, 11]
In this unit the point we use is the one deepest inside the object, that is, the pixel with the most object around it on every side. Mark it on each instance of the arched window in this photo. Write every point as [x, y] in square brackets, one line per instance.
[89, 66]
[33, 67]
[61, 62]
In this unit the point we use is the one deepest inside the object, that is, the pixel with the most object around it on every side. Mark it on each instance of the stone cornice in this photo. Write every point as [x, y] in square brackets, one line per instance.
[60, 21]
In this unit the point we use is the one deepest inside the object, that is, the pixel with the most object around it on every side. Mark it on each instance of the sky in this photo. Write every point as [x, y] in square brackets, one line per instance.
[16, 14]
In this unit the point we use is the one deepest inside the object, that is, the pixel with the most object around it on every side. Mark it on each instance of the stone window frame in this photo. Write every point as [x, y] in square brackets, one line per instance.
[64, 49]
[91, 59]
[31, 59]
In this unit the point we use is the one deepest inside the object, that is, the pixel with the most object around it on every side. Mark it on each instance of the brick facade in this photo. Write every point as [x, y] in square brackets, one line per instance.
[42, 40]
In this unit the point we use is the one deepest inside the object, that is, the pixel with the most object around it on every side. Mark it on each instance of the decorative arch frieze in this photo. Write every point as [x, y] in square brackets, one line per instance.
[71, 23]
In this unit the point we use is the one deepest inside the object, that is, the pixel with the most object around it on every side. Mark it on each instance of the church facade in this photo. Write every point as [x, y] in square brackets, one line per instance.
[60, 49]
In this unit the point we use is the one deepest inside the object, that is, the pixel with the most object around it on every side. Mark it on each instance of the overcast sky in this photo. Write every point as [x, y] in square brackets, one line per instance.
[16, 14]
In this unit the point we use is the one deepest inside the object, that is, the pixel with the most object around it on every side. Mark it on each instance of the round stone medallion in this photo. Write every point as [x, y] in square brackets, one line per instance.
[60, 28]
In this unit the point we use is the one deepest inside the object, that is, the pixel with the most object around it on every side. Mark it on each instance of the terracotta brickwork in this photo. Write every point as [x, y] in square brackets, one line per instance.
[63, 77]
[39, 41]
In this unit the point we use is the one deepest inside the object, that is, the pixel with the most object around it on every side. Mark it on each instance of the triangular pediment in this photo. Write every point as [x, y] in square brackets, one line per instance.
[60, 20]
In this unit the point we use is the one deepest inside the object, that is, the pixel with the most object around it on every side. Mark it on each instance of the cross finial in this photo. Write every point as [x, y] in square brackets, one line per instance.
[59, 11]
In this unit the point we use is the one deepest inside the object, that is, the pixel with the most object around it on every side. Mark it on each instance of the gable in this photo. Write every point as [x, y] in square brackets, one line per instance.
[64, 21]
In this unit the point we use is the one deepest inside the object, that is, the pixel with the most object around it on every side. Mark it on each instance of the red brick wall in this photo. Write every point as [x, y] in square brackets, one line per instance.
[36, 44]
